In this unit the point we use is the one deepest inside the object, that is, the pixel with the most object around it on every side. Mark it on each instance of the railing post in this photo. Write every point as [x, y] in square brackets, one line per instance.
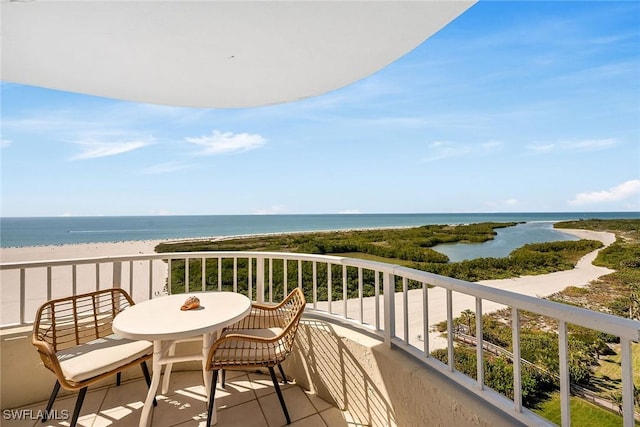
[117, 274]
[235, 274]
[97, 277]
[203, 274]
[360, 296]
[627, 383]
[169, 275]
[49, 283]
[314, 289]
[250, 278]
[270, 279]
[565, 385]
[260, 280]
[329, 287]
[345, 301]
[285, 277]
[479, 345]
[405, 309]
[450, 356]
[151, 279]
[377, 299]
[517, 365]
[23, 293]
[131, 277]
[186, 275]
[388, 288]
[425, 318]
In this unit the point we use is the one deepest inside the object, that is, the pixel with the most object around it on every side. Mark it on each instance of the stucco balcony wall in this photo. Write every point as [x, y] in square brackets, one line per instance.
[380, 386]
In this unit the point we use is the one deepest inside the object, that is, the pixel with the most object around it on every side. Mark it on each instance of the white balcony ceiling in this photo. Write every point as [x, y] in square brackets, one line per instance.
[220, 54]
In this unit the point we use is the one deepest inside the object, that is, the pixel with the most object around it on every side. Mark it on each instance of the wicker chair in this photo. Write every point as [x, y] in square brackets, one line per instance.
[263, 339]
[75, 341]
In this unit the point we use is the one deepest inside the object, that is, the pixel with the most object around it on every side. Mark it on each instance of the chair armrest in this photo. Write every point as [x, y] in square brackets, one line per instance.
[270, 307]
[49, 358]
[238, 338]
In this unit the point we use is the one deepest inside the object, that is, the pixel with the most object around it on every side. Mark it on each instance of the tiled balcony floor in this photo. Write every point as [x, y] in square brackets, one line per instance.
[248, 400]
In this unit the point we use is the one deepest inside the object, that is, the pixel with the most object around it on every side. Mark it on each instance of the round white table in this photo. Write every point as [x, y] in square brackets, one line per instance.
[160, 320]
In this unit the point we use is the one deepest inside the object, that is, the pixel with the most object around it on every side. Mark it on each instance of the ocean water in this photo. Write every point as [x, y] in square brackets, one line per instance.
[38, 231]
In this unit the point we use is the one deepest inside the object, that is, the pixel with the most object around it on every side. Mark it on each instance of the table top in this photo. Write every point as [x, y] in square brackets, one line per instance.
[161, 318]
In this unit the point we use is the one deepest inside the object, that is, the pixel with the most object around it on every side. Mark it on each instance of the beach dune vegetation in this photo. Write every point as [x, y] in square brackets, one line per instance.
[409, 246]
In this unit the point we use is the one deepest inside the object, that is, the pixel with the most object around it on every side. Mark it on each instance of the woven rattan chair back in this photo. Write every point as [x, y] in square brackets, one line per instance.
[240, 348]
[68, 322]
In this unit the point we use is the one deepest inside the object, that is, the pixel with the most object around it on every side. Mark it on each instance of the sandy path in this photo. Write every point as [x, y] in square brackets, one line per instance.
[536, 286]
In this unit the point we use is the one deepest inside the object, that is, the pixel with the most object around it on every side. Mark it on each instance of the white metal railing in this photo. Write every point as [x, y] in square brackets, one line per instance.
[402, 319]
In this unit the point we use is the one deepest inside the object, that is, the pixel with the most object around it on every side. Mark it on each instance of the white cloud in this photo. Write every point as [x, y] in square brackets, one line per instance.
[166, 167]
[439, 150]
[4, 143]
[94, 149]
[590, 144]
[227, 142]
[567, 145]
[619, 192]
[541, 148]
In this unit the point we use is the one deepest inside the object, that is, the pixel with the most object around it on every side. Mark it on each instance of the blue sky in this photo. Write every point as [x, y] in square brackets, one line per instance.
[513, 107]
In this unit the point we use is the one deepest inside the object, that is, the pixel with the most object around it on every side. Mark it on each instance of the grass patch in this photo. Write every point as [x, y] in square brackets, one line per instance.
[609, 368]
[583, 413]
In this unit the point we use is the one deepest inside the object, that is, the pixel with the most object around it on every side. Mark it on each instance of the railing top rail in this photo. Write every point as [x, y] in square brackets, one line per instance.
[627, 328]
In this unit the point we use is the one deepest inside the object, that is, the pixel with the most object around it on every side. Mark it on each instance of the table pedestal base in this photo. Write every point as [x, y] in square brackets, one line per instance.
[164, 354]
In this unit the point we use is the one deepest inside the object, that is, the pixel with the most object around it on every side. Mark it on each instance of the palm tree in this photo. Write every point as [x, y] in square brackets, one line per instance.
[467, 317]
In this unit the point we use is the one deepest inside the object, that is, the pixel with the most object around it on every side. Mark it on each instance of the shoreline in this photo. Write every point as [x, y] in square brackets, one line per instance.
[96, 249]
[207, 238]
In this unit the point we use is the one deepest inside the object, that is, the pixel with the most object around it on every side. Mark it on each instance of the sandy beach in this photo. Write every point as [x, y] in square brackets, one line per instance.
[540, 286]
[86, 278]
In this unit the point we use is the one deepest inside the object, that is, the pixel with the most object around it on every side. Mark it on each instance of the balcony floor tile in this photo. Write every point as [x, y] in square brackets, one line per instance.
[248, 400]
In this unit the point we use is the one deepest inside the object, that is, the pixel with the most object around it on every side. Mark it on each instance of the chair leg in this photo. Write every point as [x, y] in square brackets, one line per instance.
[52, 398]
[224, 377]
[147, 378]
[118, 378]
[277, 387]
[212, 395]
[284, 377]
[76, 410]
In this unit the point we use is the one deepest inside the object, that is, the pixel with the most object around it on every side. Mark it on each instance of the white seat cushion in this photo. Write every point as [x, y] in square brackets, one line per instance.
[262, 333]
[249, 351]
[99, 356]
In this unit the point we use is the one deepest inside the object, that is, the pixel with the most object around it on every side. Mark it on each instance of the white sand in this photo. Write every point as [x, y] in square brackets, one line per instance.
[81, 250]
[540, 286]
